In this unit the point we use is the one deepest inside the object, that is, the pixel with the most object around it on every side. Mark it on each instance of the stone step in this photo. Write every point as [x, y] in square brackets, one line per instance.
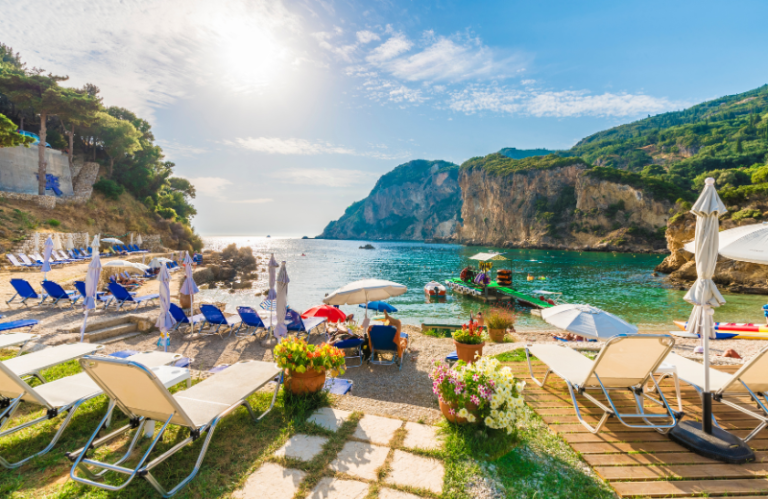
[96, 325]
[122, 337]
[105, 333]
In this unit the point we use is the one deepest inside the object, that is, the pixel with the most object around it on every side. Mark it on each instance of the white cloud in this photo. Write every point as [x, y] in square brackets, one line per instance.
[303, 147]
[394, 46]
[528, 82]
[327, 177]
[366, 36]
[567, 103]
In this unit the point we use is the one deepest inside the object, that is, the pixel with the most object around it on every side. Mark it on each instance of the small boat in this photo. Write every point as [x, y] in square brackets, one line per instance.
[735, 331]
[434, 288]
[268, 235]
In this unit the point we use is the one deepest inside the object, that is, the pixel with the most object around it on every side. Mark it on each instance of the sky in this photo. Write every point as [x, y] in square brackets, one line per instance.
[283, 113]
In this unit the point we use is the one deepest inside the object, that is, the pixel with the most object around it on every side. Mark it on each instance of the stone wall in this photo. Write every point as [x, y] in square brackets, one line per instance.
[85, 174]
[18, 169]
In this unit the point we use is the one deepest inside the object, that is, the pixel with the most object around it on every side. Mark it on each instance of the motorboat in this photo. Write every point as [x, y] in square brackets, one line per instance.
[434, 288]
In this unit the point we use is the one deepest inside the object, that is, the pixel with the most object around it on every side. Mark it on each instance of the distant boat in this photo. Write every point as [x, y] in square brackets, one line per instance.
[268, 235]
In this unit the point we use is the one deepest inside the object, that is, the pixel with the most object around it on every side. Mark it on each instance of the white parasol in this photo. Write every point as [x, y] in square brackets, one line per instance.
[57, 242]
[365, 291]
[36, 242]
[586, 320]
[131, 240]
[189, 287]
[281, 329]
[47, 257]
[91, 284]
[139, 241]
[70, 242]
[165, 320]
[748, 243]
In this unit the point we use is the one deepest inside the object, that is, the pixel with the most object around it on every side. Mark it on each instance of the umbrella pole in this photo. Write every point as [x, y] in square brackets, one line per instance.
[706, 396]
[82, 329]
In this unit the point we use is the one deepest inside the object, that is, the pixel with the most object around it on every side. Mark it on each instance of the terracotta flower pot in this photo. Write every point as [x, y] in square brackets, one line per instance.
[306, 382]
[497, 335]
[452, 418]
[467, 352]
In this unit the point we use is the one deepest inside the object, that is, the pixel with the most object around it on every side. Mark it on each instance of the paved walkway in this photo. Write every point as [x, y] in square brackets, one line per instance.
[377, 455]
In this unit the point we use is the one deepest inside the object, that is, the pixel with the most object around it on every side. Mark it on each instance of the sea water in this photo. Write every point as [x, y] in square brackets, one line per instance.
[621, 283]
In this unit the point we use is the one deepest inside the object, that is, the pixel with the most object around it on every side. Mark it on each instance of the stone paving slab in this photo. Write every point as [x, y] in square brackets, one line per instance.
[385, 493]
[332, 488]
[421, 436]
[271, 481]
[377, 429]
[329, 418]
[304, 447]
[416, 471]
[360, 459]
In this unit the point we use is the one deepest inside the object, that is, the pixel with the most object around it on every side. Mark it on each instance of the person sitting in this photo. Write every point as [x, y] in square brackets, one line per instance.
[402, 344]
[125, 281]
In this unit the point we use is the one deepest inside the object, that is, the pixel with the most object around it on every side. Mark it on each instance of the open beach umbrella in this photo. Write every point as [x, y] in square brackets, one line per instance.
[586, 320]
[365, 291]
[333, 314]
[748, 243]
[111, 240]
[165, 320]
[47, 257]
[158, 261]
[189, 287]
[125, 263]
[91, 284]
[281, 329]
[70, 242]
[57, 242]
[702, 437]
[379, 306]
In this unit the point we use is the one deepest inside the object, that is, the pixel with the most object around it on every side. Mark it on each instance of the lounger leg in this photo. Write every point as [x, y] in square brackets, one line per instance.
[761, 417]
[530, 369]
[607, 413]
[12, 298]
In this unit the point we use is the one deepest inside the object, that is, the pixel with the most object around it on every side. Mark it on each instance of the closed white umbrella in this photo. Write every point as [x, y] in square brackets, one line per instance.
[365, 291]
[57, 242]
[139, 241]
[131, 241]
[70, 242]
[47, 257]
[586, 320]
[87, 240]
[704, 295]
[189, 287]
[748, 243]
[281, 329]
[36, 242]
[165, 320]
[91, 284]
[272, 268]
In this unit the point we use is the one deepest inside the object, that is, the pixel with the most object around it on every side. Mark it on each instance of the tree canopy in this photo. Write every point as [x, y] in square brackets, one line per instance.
[8, 135]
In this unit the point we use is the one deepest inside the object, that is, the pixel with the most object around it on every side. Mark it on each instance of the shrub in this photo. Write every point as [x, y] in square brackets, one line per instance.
[109, 188]
[746, 213]
[297, 355]
[53, 222]
[167, 213]
[500, 319]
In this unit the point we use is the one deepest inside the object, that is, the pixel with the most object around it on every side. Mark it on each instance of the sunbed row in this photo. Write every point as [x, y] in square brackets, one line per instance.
[55, 293]
[59, 257]
[212, 317]
[125, 249]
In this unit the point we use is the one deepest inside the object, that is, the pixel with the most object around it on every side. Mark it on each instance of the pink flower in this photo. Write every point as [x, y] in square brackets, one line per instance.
[476, 377]
[452, 411]
[475, 399]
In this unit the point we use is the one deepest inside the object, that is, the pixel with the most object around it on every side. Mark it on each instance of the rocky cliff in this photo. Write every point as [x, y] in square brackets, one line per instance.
[736, 277]
[419, 200]
[555, 202]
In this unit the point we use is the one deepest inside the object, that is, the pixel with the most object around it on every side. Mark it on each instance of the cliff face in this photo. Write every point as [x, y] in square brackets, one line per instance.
[559, 207]
[419, 200]
[730, 275]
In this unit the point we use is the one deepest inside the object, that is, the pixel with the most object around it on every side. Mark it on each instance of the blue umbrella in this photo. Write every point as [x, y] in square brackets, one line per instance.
[379, 306]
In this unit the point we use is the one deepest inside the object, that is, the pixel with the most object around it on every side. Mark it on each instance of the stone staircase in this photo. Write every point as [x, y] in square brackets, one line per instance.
[110, 330]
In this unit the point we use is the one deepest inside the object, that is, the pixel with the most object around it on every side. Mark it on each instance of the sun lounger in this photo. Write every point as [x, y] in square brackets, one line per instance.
[25, 291]
[64, 395]
[250, 319]
[34, 363]
[750, 381]
[353, 346]
[138, 392]
[23, 323]
[37, 257]
[17, 263]
[624, 363]
[181, 318]
[63, 257]
[57, 293]
[122, 296]
[381, 339]
[215, 317]
[28, 262]
[15, 340]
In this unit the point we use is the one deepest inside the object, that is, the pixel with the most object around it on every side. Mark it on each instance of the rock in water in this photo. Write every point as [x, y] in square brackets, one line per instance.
[367, 246]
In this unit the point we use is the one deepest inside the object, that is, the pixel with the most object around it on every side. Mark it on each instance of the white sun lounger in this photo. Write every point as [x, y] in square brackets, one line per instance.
[751, 380]
[57, 397]
[15, 340]
[624, 363]
[32, 364]
[140, 394]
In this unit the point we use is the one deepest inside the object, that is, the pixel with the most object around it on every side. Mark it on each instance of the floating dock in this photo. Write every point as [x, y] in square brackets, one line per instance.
[495, 293]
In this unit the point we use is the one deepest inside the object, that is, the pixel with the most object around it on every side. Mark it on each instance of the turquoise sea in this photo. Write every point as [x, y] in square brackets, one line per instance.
[618, 282]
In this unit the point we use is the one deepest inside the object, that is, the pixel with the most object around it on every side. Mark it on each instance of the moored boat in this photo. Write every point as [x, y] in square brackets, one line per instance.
[434, 288]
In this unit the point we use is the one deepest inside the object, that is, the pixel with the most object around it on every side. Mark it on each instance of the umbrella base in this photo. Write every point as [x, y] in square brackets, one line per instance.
[719, 445]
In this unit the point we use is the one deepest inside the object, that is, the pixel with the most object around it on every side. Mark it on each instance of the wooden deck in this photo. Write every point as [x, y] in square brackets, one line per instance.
[645, 463]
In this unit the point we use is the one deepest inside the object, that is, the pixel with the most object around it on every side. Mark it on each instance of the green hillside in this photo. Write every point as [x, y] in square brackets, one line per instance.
[514, 153]
[501, 165]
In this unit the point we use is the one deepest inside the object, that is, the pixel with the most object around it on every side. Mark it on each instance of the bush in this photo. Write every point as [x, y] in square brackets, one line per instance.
[53, 222]
[746, 213]
[761, 175]
[500, 319]
[109, 188]
[167, 213]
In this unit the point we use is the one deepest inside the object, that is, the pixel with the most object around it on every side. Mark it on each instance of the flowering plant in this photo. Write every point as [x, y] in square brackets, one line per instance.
[297, 355]
[490, 391]
[469, 334]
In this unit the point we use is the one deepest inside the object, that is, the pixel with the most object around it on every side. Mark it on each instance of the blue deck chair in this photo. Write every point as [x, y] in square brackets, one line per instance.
[122, 296]
[57, 293]
[352, 346]
[250, 319]
[11, 325]
[101, 296]
[215, 317]
[15, 262]
[381, 340]
[27, 261]
[25, 291]
[181, 318]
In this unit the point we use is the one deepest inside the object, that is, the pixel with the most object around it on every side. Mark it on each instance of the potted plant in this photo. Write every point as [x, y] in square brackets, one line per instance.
[482, 393]
[469, 342]
[498, 322]
[306, 365]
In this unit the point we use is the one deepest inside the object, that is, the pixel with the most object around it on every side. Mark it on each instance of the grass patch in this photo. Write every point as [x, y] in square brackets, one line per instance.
[516, 355]
[437, 333]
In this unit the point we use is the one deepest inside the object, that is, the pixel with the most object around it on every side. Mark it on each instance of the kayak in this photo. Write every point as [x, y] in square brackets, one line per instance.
[735, 331]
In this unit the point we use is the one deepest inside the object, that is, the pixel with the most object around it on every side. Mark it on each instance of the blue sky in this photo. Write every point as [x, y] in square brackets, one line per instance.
[284, 113]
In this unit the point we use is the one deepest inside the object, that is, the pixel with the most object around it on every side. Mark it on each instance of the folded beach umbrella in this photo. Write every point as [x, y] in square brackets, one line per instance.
[47, 257]
[189, 287]
[272, 272]
[130, 242]
[36, 242]
[586, 320]
[281, 329]
[57, 242]
[379, 306]
[748, 243]
[70, 242]
[333, 314]
[165, 320]
[91, 284]
[139, 241]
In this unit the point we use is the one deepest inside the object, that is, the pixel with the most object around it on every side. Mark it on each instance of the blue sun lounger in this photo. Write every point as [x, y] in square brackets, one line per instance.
[57, 293]
[11, 325]
[122, 296]
[382, 339]
[250, 319]
[215, 317]
[181, 318]
[101, 296]
[25, 291]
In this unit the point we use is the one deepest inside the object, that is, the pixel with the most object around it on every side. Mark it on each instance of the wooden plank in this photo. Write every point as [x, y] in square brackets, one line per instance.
[624, 447]
[683, 471]
[728, 424]
[677, 488]
[742, 429]
[622, 436]
[648, 459]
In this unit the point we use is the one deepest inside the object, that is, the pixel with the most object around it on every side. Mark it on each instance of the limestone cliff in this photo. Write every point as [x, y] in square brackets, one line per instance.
[556, 203]
[419, 200]
[732, 276]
